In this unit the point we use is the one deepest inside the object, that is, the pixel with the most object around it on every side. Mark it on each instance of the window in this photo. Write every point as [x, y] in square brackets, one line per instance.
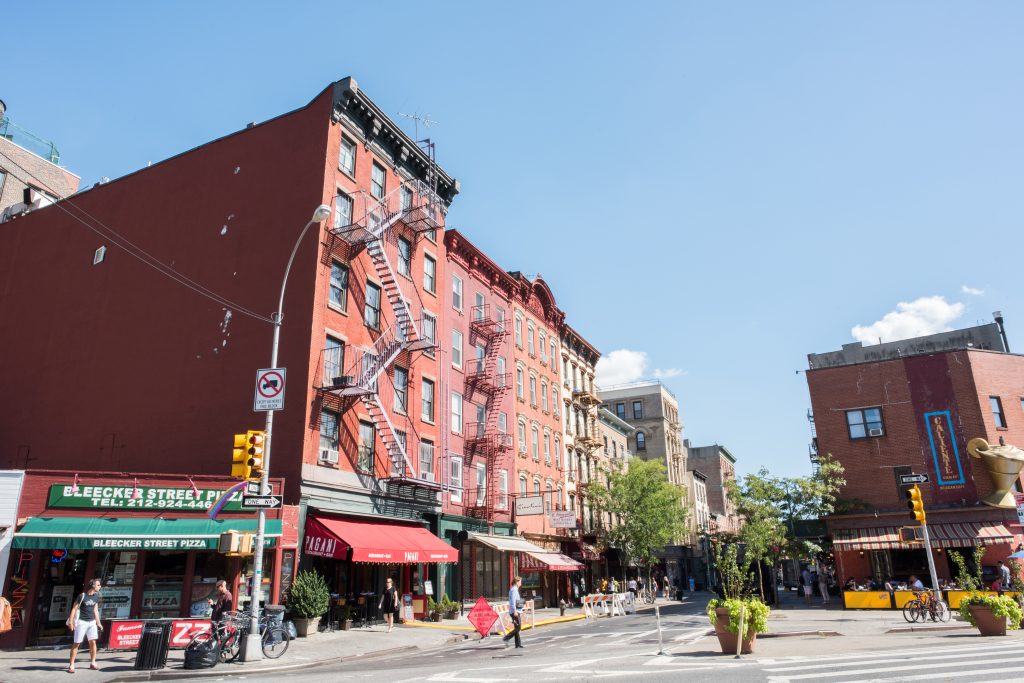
[997, 411]
[429, 331]
[542, 340]
[404, 257]
[547, 448]
[429, 274]
[501, 319]
[347, 156]
[364, 459]
[371, 310]
[479, 366]
[334, 359]
[530, 345]
[522, 436]
[502, 502]
[547, 497]
[455, 478]
[558, 451]
[536, 487]
[342, 211]
[533, 390]
[522, 485]
[554, 356]
[406, 198]
[427, 460]
[864, 422]
[456, 348]
[519, 383]
[500, 379]
[535, 444]
[401, 390]
[638, 410]
[338, 294]
[606, 445]
[427, 405]
[519, 331]
[456, 292]
[481, 483]
[398, 469]
[456, 412]
[329, 436]
[559, 498]
[641, 441]
[544, 395]
[478, 306]
[572, 504]
[620, 411]
[377, 181]
[481, 421]
[502, 423]
[554, 400]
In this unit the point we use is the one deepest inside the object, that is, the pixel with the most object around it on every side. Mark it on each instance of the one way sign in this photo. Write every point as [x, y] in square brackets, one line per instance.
[261, 501]
[907, 479]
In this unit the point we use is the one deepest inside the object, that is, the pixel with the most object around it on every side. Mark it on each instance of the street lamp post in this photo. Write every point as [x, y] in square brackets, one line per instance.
[251, 649]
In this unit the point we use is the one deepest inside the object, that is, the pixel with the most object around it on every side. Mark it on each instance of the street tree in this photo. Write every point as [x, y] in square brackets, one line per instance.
[647, 511]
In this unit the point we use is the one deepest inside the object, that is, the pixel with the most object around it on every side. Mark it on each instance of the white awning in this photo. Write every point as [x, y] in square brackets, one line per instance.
[507, 544]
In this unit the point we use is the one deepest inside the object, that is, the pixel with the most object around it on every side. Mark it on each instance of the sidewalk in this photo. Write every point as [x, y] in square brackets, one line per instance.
[42, 666]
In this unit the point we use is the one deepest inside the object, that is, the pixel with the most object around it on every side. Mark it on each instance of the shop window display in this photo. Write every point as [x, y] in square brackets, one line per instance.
[117, 572]
[63, 579]
[163, 580]
[209, 568]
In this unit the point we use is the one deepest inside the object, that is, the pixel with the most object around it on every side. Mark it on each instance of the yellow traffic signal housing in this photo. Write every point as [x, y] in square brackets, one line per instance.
[240, 458]
[255, 441]
[915, 503]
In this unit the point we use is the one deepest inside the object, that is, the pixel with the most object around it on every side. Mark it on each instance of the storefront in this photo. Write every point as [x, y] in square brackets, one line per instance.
[10, 494]
[549, 574]
[147, 538]
[356, 555]
[481, 570]
[588, 580]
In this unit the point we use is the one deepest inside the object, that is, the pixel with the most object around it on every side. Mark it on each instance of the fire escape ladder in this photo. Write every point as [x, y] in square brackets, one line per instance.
[397, 454]
[403, 318]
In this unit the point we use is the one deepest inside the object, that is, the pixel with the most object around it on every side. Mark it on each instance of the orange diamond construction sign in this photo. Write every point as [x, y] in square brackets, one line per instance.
[482, 616]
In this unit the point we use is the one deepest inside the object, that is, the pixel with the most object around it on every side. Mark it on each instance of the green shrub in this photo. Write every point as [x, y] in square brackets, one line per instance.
[1001, 606]
[432, 607]
[755, 618]
[308, 596]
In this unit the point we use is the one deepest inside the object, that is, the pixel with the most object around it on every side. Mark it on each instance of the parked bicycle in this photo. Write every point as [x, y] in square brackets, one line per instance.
[926, 605]
[234, 626]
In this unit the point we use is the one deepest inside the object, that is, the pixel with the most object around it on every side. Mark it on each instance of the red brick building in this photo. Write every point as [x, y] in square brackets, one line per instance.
[911, 407]
[145, 360]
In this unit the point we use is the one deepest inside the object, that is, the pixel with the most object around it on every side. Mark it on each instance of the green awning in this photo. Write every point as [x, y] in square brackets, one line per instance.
[133, 533]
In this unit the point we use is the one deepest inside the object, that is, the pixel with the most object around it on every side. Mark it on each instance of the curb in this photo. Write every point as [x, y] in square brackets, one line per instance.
[923, 629]
[797, 634]
[243, 671]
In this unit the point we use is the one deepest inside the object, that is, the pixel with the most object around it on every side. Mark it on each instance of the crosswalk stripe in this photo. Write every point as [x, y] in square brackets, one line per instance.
[887, 669]
[880, 658]
[931, 676]
[887, 653]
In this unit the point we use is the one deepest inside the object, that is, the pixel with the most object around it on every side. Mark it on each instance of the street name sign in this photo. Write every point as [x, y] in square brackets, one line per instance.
[907, 479]
[261, 501]
[269, 389]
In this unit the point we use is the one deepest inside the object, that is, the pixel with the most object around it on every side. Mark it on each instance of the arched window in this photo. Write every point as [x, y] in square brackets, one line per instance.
[547, 497]
[558, 451]
[641, 441]
[536, 487]
[559, 504]
[572, 502]
[522, 484]
[519, 383]
[547, 448]
[522, 436]
[533, 389]
[544, 395]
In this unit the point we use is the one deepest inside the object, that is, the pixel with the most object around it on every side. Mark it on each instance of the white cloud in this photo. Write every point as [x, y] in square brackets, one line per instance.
[927, 315]
[620, 366]
[625, 365]
[972, 290]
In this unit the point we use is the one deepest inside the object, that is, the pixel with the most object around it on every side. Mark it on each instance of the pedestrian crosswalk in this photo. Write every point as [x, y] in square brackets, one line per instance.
[982, 662]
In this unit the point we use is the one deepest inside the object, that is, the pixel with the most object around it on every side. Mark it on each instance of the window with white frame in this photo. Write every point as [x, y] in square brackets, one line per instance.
[544, 394]
[401, 404]
[429, 274]
[501, 319]
[329, 436]
[398, 468]
[531, 346]
[455, 477]
[502, 502]
[542, 342]
[519, 383]
[547, 448]
[338, 295]
[406, 197]
[554, 356]
[426, 460]
[334, 359]
[533, 390]
[371, 310]
[547, 497]
[481, 353]
[404, 257]
[364, 458]
[535, 443]
[522, 436]
[536, 487]
[378, 181]
[501, 371]
[502, 423]
[481, 483]
[519, 331]
[429, 331]
[342, 211]
[347, 156]
[522, 484]
[456, 412]
[456, 348]
[427, 401]
[456, 292]
[558, 451]
[478, 306]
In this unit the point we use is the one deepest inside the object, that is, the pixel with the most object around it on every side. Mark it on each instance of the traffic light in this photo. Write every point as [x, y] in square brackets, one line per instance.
[240, 458]
[915, 503]
[255, 441]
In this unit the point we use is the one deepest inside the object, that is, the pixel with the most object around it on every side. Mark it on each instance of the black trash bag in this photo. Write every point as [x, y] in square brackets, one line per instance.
[203, 654]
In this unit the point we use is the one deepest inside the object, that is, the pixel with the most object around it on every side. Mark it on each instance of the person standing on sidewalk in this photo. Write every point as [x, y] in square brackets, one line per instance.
[823, 585]
[668, 586]
[223, 602]
[515, 604]
[389, 605]
[84, 621]
[805, 581]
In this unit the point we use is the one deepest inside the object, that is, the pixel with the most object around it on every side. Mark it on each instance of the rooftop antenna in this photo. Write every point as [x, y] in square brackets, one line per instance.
[417, 119]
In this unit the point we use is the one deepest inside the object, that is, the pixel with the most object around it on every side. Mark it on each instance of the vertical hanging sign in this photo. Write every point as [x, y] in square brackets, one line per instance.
[945, 454]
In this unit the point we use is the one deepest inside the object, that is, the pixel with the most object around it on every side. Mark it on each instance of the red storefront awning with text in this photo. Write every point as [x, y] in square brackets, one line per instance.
[376, 542]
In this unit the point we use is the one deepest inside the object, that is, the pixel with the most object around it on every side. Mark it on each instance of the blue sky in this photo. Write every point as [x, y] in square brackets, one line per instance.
[723, 187]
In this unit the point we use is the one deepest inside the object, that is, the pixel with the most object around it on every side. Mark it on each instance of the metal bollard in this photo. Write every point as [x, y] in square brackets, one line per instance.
[657, 614]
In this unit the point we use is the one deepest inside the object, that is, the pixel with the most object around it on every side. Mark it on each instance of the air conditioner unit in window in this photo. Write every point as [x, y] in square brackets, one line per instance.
[327, 455]
[343, 381]
[875, 432]
[427, 476]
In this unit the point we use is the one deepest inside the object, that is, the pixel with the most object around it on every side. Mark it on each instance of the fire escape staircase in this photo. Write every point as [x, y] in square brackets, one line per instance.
[418, 211]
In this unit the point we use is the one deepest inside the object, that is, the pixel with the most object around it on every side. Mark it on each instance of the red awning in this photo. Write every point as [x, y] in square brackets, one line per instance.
[548, 562]
[375, 542]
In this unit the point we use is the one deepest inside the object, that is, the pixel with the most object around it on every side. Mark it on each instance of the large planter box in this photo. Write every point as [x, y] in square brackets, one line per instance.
[988, 623]
[726, 638]
[953, 598]
[867, 600]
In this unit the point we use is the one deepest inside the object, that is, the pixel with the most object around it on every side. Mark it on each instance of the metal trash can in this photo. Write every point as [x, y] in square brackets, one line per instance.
[153, 645]
[275, 614]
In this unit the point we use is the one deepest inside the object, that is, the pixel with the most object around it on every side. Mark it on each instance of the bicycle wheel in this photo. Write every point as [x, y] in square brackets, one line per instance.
[941, 612]
[275, 642]
[231, 646]
[912, 611]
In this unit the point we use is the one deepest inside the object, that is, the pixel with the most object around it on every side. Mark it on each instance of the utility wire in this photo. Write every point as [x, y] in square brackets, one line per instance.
[131, 248]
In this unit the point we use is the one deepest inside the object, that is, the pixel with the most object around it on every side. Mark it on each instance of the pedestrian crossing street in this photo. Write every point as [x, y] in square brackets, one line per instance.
[1002, 661]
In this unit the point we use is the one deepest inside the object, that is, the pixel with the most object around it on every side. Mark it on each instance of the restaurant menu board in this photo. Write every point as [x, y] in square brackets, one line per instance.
[60, 602]
[117, 602]
[407, 614]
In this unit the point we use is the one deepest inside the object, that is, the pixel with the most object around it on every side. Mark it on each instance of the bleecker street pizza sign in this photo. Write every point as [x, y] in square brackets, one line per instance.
[102, 497]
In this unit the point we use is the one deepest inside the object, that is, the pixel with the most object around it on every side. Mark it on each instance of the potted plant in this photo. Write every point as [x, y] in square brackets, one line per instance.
[433, 610]
[449, 608]
[989, 613]
[726, 613]
[346, 617]
[308, 599]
